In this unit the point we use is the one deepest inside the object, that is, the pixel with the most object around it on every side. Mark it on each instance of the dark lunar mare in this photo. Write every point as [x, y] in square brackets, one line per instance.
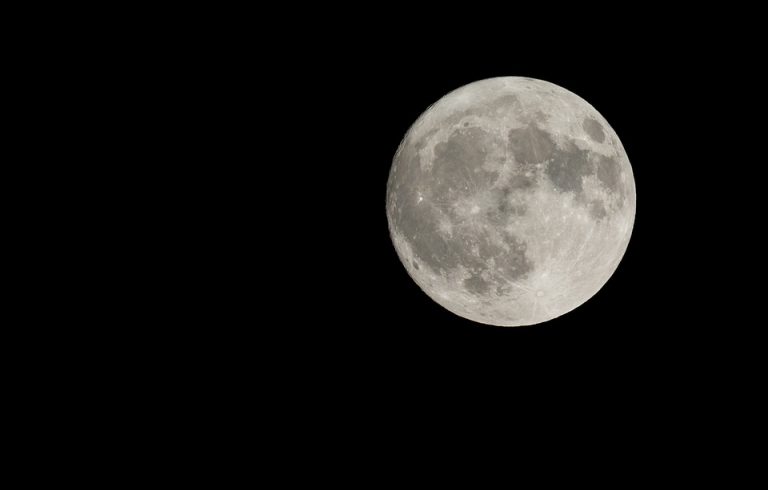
[593, 129]
[456, 173]
[565, 167]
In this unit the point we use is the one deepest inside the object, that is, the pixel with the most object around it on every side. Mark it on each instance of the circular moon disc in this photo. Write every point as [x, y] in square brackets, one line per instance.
[510, 201]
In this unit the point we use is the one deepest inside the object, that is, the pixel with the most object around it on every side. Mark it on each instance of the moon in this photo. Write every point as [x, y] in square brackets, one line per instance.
[510, 201]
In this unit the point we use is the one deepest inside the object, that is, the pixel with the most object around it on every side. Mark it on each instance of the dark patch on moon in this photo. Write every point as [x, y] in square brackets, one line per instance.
[463, 149]
[593, 129]
[418, 224]
[514, 264]
[458, 162]
[476, 285]
[507, 102]
[416, 220]
[422, 142]
[539, 116]
[507, 208]
[567, 168]
[504, 207]
[530, 145]
[520, 182]
[609, 173]
[455, 118]
[415, 265]
[452, 174]
[597, 210]
[510, 265]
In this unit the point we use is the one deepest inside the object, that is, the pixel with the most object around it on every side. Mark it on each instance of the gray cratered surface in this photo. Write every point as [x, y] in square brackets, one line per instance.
[510, 201]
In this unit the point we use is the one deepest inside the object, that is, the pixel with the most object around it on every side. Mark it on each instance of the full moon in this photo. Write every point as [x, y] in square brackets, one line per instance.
[510, 201]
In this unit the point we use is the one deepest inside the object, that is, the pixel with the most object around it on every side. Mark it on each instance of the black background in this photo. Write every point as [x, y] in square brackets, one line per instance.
[262, 294]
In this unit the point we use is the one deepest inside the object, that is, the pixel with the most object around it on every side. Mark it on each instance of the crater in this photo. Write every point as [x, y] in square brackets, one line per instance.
[593, 129]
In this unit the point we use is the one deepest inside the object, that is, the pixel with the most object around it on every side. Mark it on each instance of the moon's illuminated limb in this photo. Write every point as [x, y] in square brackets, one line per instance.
[511, 201]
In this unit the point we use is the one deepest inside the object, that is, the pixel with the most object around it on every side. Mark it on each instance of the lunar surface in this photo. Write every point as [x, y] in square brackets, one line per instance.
[510, 201]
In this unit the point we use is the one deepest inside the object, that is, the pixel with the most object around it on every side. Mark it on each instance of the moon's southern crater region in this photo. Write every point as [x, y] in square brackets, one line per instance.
[510, 201]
